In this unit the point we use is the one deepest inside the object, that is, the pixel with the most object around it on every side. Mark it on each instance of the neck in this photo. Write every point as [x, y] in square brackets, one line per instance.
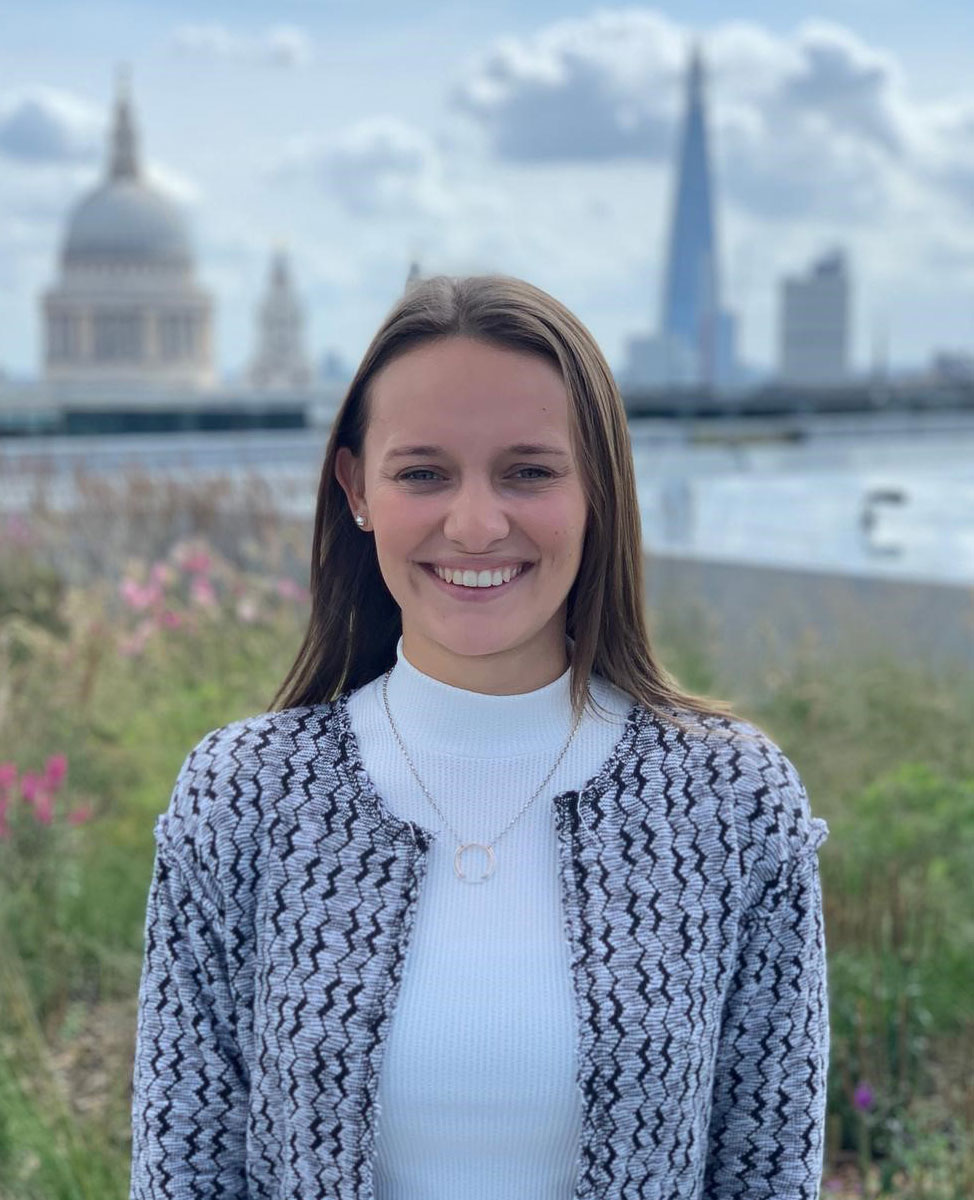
[437, 716]
[509, 673]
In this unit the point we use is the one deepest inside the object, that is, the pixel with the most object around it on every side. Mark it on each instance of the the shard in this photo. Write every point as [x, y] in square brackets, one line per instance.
[691, 319]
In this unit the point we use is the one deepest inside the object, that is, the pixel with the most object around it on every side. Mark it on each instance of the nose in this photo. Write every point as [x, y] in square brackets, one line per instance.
[475, 516]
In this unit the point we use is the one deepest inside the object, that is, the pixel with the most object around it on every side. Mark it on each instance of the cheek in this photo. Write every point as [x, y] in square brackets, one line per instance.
[567, 533]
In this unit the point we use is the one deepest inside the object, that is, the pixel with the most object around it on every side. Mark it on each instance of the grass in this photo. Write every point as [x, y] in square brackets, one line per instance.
[93, 668]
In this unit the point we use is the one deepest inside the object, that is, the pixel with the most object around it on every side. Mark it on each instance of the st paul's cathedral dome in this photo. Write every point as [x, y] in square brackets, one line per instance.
[127, 308]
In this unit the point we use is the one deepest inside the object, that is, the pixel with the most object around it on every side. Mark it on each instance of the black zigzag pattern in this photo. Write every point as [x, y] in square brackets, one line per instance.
[278, 924]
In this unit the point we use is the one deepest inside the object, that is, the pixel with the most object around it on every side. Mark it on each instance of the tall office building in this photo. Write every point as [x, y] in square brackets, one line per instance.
[127, 309]
[693, 326]
[814, 325]
[695, 342]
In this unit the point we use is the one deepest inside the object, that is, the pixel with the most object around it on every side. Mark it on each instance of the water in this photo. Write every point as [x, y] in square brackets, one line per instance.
[898, 504]
[867, 495]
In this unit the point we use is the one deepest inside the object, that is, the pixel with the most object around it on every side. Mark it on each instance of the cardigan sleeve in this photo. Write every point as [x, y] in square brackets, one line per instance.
[766, 1135]
[190, 1085]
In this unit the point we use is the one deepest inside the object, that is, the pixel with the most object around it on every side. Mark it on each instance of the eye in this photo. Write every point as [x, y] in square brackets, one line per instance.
[410, 475]
[413, 475]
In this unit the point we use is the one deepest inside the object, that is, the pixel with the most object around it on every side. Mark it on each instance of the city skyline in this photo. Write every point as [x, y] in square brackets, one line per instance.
[362, 157]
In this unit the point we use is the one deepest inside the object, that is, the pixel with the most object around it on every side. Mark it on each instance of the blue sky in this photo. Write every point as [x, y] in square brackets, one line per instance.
[534, 138]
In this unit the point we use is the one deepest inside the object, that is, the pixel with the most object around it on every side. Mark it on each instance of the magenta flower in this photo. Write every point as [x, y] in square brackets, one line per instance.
[198, 562]
[8, 776]
[140, 596]
[863, 1097]
[202, 592]
[55, 771]
[44, 808]
[170, 620]
[78, 816]
[30, 786]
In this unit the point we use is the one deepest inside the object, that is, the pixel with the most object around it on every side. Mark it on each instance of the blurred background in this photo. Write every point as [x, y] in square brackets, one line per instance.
[765, 218]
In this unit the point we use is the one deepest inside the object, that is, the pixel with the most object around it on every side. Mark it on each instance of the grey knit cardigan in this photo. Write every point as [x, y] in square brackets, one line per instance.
[278, 922]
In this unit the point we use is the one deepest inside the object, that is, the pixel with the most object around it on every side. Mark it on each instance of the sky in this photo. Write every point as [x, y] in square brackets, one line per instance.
[533, 138]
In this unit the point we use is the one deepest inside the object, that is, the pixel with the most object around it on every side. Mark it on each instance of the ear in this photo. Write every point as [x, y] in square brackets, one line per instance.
[350, 474]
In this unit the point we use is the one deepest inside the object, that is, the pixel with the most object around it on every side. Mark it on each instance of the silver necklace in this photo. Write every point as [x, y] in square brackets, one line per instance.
[462, 846]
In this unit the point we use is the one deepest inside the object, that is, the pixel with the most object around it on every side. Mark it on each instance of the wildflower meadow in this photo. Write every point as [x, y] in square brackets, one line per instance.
[153, 612]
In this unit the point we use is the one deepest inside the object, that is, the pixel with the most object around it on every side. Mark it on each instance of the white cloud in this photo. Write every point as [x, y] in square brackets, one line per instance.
[814, 124]
[175, 184]
[593, 88]
[43, 126]
[280, 46]
[382, 167]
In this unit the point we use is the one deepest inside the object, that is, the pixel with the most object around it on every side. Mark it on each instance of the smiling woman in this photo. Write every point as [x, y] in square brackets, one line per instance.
[476, 702]
[482, 428]
[500, 490]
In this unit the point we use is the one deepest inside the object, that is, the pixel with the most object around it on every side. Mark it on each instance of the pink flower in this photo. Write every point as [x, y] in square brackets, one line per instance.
[55, 770]
[287, 589]
[161, 574]
[202, 592]
[138, 596]
[8, 776]
[198, 562]
[30, 786]
[863, 1097]
[44, 808]
[78, 816]
[170, 620]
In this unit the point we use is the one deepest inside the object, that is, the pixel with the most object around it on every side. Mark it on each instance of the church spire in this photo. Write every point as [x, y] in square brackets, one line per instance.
[124, 161]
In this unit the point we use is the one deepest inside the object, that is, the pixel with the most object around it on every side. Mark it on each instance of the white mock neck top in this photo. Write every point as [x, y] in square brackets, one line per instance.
[477, 1097]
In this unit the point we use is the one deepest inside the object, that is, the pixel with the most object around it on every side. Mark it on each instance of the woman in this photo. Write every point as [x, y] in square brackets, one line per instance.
[487, 907]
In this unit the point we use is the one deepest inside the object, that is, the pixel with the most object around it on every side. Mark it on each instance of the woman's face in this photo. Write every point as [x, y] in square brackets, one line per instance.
[468, 467]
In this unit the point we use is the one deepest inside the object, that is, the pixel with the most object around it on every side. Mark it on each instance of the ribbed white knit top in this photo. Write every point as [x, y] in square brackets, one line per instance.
[477, 1096]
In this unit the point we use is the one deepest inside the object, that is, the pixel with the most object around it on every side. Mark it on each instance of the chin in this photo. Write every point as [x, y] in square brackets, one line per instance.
[468, 638]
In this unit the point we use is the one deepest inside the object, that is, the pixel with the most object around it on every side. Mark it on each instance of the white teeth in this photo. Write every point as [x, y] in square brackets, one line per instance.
[478, 578]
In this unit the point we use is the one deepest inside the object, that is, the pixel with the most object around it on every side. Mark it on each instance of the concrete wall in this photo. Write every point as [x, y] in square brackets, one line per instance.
[756, 617]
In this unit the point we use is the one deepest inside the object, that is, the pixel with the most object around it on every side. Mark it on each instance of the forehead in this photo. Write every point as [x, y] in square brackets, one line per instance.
[459, 388]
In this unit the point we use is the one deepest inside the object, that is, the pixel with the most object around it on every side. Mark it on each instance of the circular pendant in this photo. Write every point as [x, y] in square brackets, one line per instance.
[458, 867]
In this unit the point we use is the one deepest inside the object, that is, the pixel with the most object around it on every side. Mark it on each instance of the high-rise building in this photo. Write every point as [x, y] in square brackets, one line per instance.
[127, 309]
[692, 321]
[413, 277]
[280, 362]
[694, 345]
[814, 325]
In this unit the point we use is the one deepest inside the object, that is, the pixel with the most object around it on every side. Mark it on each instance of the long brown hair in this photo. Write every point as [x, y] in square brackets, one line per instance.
[355, 623]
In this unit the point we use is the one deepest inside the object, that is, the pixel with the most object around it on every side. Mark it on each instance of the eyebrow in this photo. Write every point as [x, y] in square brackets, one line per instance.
[517, 448]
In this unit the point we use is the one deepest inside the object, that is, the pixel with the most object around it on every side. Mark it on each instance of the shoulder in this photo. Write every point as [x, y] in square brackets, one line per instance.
[754, 783]
[230, 780]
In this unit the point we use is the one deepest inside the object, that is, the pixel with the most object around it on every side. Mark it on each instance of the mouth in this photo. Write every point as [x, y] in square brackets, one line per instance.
[471, 584]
